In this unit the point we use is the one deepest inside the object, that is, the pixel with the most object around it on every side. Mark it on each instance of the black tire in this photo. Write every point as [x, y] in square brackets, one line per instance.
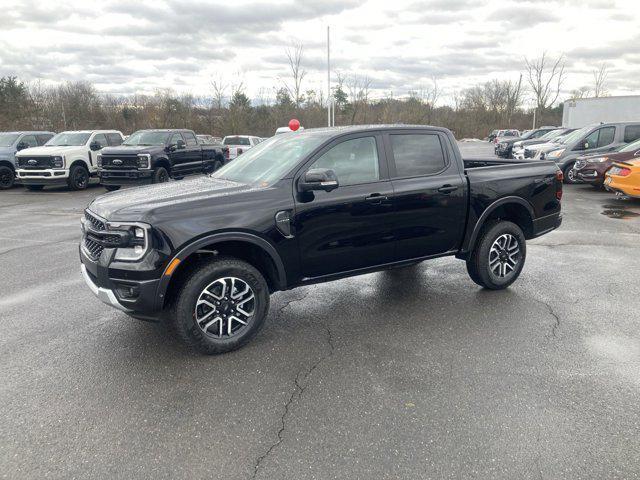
[34, 188]
[569, 176]
[160, 175]
[184, 309]
[7, 177]
[479, 263]
[111, 188]
[78, 178]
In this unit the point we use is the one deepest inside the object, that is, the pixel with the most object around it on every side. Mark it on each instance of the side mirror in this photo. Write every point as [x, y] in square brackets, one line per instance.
[180, 144]
[319, 179]
[22, 146]
[586, 145]
[95, 146]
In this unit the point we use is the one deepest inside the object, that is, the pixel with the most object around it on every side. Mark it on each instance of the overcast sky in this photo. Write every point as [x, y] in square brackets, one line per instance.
[127, 46]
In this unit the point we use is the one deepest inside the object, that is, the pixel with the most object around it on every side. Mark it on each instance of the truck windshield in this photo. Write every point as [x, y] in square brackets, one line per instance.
[267, 162]
[68, 139]
[7, 139]
[236, 141]
[147, 138]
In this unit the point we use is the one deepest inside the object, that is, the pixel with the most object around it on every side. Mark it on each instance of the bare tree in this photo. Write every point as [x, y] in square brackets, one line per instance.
[513, 94]
[545, 78]
[582, 92]
[294, 87]
[358, 88]
[599, 80]
[219, 87]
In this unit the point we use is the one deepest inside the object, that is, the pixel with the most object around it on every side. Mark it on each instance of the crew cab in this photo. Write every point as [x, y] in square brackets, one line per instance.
[154, 156]
[238, 144]
[69, 158]
[310, 207]
[10, 144]
[600, 138]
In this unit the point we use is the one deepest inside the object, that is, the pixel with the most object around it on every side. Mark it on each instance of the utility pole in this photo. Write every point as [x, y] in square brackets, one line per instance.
[535, 110]
[329, 99]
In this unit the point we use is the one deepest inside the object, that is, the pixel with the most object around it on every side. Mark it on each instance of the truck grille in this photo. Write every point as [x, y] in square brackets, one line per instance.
[93, 249]
[119, 161]
[95, 222]
[35, 162]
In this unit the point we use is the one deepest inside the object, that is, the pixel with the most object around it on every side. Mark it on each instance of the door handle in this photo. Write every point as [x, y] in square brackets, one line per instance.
[376, 198]
[447, 188]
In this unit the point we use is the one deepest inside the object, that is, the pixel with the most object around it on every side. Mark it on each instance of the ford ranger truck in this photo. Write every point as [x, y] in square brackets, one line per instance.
[69, 158]
[310, 207]
[155, 156]
[10, 144]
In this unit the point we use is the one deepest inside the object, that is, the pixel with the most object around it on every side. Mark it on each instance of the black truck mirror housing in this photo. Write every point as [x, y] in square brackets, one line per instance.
[319, 179]
[95, 146]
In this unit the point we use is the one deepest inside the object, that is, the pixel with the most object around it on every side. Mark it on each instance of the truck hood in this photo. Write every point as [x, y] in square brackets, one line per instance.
[146, 202]
[51, 150]
[132, 149]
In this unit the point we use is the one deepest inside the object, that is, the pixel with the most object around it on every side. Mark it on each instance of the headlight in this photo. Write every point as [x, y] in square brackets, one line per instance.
[555, 153]
[144, 160]
[597, 160]
[58, 162]
[98, 160]
[139, 240]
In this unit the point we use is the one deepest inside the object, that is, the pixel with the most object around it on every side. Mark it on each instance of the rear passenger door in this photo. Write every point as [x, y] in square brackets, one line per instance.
[429, 200]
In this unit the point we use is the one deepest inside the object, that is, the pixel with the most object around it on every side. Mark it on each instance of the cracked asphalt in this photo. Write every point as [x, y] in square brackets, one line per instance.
[405, 374]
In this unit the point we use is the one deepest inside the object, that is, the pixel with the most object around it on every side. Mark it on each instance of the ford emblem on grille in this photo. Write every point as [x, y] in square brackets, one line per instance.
[32, 161]
[117, 161]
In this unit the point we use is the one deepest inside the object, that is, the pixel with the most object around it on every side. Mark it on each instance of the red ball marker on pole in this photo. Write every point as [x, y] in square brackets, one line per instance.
[294, 124]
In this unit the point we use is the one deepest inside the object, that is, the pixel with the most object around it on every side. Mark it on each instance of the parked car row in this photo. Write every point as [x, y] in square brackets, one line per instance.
[40, 158]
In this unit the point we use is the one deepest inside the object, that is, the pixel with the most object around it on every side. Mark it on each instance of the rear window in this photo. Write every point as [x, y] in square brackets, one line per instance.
[417, 154]
[236, 141]
[631, 133]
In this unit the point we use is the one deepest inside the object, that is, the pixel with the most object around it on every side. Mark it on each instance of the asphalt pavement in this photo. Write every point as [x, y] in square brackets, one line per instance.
[405, 374]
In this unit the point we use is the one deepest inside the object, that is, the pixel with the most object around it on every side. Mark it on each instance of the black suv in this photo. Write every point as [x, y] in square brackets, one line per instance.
[309, 207]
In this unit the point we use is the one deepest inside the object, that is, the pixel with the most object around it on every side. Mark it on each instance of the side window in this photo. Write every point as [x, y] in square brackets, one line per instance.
[631, 133]
[354, 161]
[174, 138]
[591, 139]
[417, 154]
[101, 139]
[190, 138]
[607, 134]
[114, 139]
[42, 139]
[30, 140]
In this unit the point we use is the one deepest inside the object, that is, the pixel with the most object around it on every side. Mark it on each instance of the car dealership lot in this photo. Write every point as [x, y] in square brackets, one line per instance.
[410, 373]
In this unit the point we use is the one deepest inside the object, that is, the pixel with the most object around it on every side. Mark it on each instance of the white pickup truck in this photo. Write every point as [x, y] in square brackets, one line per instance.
[240, 143]
[69, 159]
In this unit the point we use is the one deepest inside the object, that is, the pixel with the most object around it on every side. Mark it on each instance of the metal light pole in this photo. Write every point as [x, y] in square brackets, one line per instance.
[329, 99]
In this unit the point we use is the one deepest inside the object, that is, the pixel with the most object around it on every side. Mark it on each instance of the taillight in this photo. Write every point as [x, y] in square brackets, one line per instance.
[624, 172]
[226, 153]
[559, 180]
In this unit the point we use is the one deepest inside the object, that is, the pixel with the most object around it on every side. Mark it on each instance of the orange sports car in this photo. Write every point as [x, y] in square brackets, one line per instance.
[624, 178]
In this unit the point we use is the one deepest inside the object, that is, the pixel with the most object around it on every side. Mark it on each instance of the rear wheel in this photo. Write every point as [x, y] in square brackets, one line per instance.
[499, 256]
[78, 178]
[7, 177]
[34, 188]
[111, 188]
[221, 306]
[570, 174]
[160, 175]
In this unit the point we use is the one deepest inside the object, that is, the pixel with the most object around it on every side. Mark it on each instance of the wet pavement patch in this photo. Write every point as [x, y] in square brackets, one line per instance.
[621, 211]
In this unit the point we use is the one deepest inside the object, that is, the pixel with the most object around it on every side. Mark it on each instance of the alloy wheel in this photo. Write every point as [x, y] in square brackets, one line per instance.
[81, 178]
[504, 255]
[225, 307]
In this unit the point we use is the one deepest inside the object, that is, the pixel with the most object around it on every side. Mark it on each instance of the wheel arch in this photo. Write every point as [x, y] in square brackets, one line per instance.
[513, 209]
[7, 163]
[79, 161]
[242, 245]
[162, 162]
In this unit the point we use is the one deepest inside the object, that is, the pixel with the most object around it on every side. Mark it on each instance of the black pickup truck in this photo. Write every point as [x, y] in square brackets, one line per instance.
[154, 156]
[310, 207]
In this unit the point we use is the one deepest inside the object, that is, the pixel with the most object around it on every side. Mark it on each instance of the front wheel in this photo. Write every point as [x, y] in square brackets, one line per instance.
[160, 175]
[221, 306]
[78, 178]
[499, 256]
[570, 174]
[7, 177]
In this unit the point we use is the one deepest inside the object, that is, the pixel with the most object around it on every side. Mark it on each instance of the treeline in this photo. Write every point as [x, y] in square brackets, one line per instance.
[78, 105]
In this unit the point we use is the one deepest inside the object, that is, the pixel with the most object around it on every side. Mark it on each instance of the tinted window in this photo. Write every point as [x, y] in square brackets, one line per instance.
[101, 139]
[236, 141]
[606, 136]
[417, 154]
[29, 140]
[631, 133]
[42, 139]
[174, 139]
[190, 138]
[114, 139]
[591, 139]
[354, 161]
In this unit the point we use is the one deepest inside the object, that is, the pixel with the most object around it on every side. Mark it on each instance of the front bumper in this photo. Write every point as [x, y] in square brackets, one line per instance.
[104, 294]
[47, 176]
[125, 177]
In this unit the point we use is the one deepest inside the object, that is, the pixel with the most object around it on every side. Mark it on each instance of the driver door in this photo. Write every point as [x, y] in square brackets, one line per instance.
[351, 227]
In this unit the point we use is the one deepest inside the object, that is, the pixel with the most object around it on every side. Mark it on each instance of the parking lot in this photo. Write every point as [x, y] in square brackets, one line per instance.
[409, 373]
